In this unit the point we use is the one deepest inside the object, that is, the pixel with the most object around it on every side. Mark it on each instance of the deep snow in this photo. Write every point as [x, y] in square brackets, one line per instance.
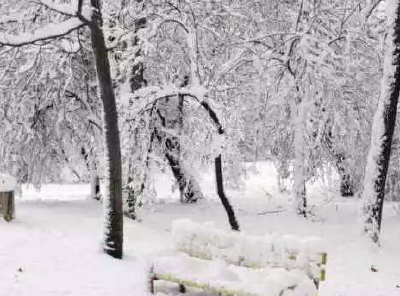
[53, 247]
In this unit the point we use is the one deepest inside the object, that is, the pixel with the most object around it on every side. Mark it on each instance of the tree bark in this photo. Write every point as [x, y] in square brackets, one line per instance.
[188, 187]
[94, 176]
[113, 236]
[131, 199]
[346, 185]
[136, 82]
[94, 186]
[382, 129]
[171, 117]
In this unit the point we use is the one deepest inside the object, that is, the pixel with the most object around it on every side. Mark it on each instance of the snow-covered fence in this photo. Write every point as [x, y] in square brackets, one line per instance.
[230, 262]
[7, 204]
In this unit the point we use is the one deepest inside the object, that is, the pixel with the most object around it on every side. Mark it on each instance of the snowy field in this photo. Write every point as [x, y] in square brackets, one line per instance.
[53, 247]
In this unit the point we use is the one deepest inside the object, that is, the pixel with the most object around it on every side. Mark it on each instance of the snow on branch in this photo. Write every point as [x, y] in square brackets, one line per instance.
[75, 9]
[370, 7]
[151, 94]
[63, 8]
[45, 33]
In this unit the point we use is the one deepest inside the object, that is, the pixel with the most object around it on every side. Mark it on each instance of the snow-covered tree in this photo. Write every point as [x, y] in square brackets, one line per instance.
[69, 18]
[383, 126]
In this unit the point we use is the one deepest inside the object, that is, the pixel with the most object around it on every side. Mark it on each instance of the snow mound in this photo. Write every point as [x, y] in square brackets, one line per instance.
[7, 183]
[207, 242]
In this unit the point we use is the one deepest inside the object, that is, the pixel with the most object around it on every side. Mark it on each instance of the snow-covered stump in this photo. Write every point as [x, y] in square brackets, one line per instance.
[7, 203]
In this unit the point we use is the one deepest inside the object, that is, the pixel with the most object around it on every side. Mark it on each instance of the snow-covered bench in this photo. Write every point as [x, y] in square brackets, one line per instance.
[7, 187]
[232, 263]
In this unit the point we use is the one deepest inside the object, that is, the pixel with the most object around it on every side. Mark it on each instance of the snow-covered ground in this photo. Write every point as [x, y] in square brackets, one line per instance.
[53, 247]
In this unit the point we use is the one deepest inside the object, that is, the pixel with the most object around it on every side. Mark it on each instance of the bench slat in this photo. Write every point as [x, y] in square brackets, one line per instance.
[232, 263]
[206, 242]
[231, 279]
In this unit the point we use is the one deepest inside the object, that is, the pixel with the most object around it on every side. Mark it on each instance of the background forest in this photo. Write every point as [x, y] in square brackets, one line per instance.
[184, 85]
[262, 116]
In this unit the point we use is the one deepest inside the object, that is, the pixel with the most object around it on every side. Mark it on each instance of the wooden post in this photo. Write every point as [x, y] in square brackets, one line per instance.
[7, 207]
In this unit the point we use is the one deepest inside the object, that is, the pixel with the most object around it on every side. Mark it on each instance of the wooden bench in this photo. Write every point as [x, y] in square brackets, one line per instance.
[7, 204]
[234, 264]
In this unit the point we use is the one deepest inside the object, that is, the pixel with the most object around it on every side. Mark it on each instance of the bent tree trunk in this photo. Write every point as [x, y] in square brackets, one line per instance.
[218, 171]
[113, 232]
[382, 129]
[221, 193]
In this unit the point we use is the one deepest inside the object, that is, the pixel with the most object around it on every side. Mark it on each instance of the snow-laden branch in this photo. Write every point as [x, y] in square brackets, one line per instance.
[63, 8]
[151, 94]
[76, 9]
[45, 33]
[370, 7]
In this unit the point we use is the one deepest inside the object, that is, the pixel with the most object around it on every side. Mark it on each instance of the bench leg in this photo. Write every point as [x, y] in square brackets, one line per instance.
[182, 288]
[151, 284]
[152, 279]
[316, 283]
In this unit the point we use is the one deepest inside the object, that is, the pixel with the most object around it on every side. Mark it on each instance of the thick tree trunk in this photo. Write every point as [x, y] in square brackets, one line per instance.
[171, 116]
[383, 128]
[188, 186]
[113, 236]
